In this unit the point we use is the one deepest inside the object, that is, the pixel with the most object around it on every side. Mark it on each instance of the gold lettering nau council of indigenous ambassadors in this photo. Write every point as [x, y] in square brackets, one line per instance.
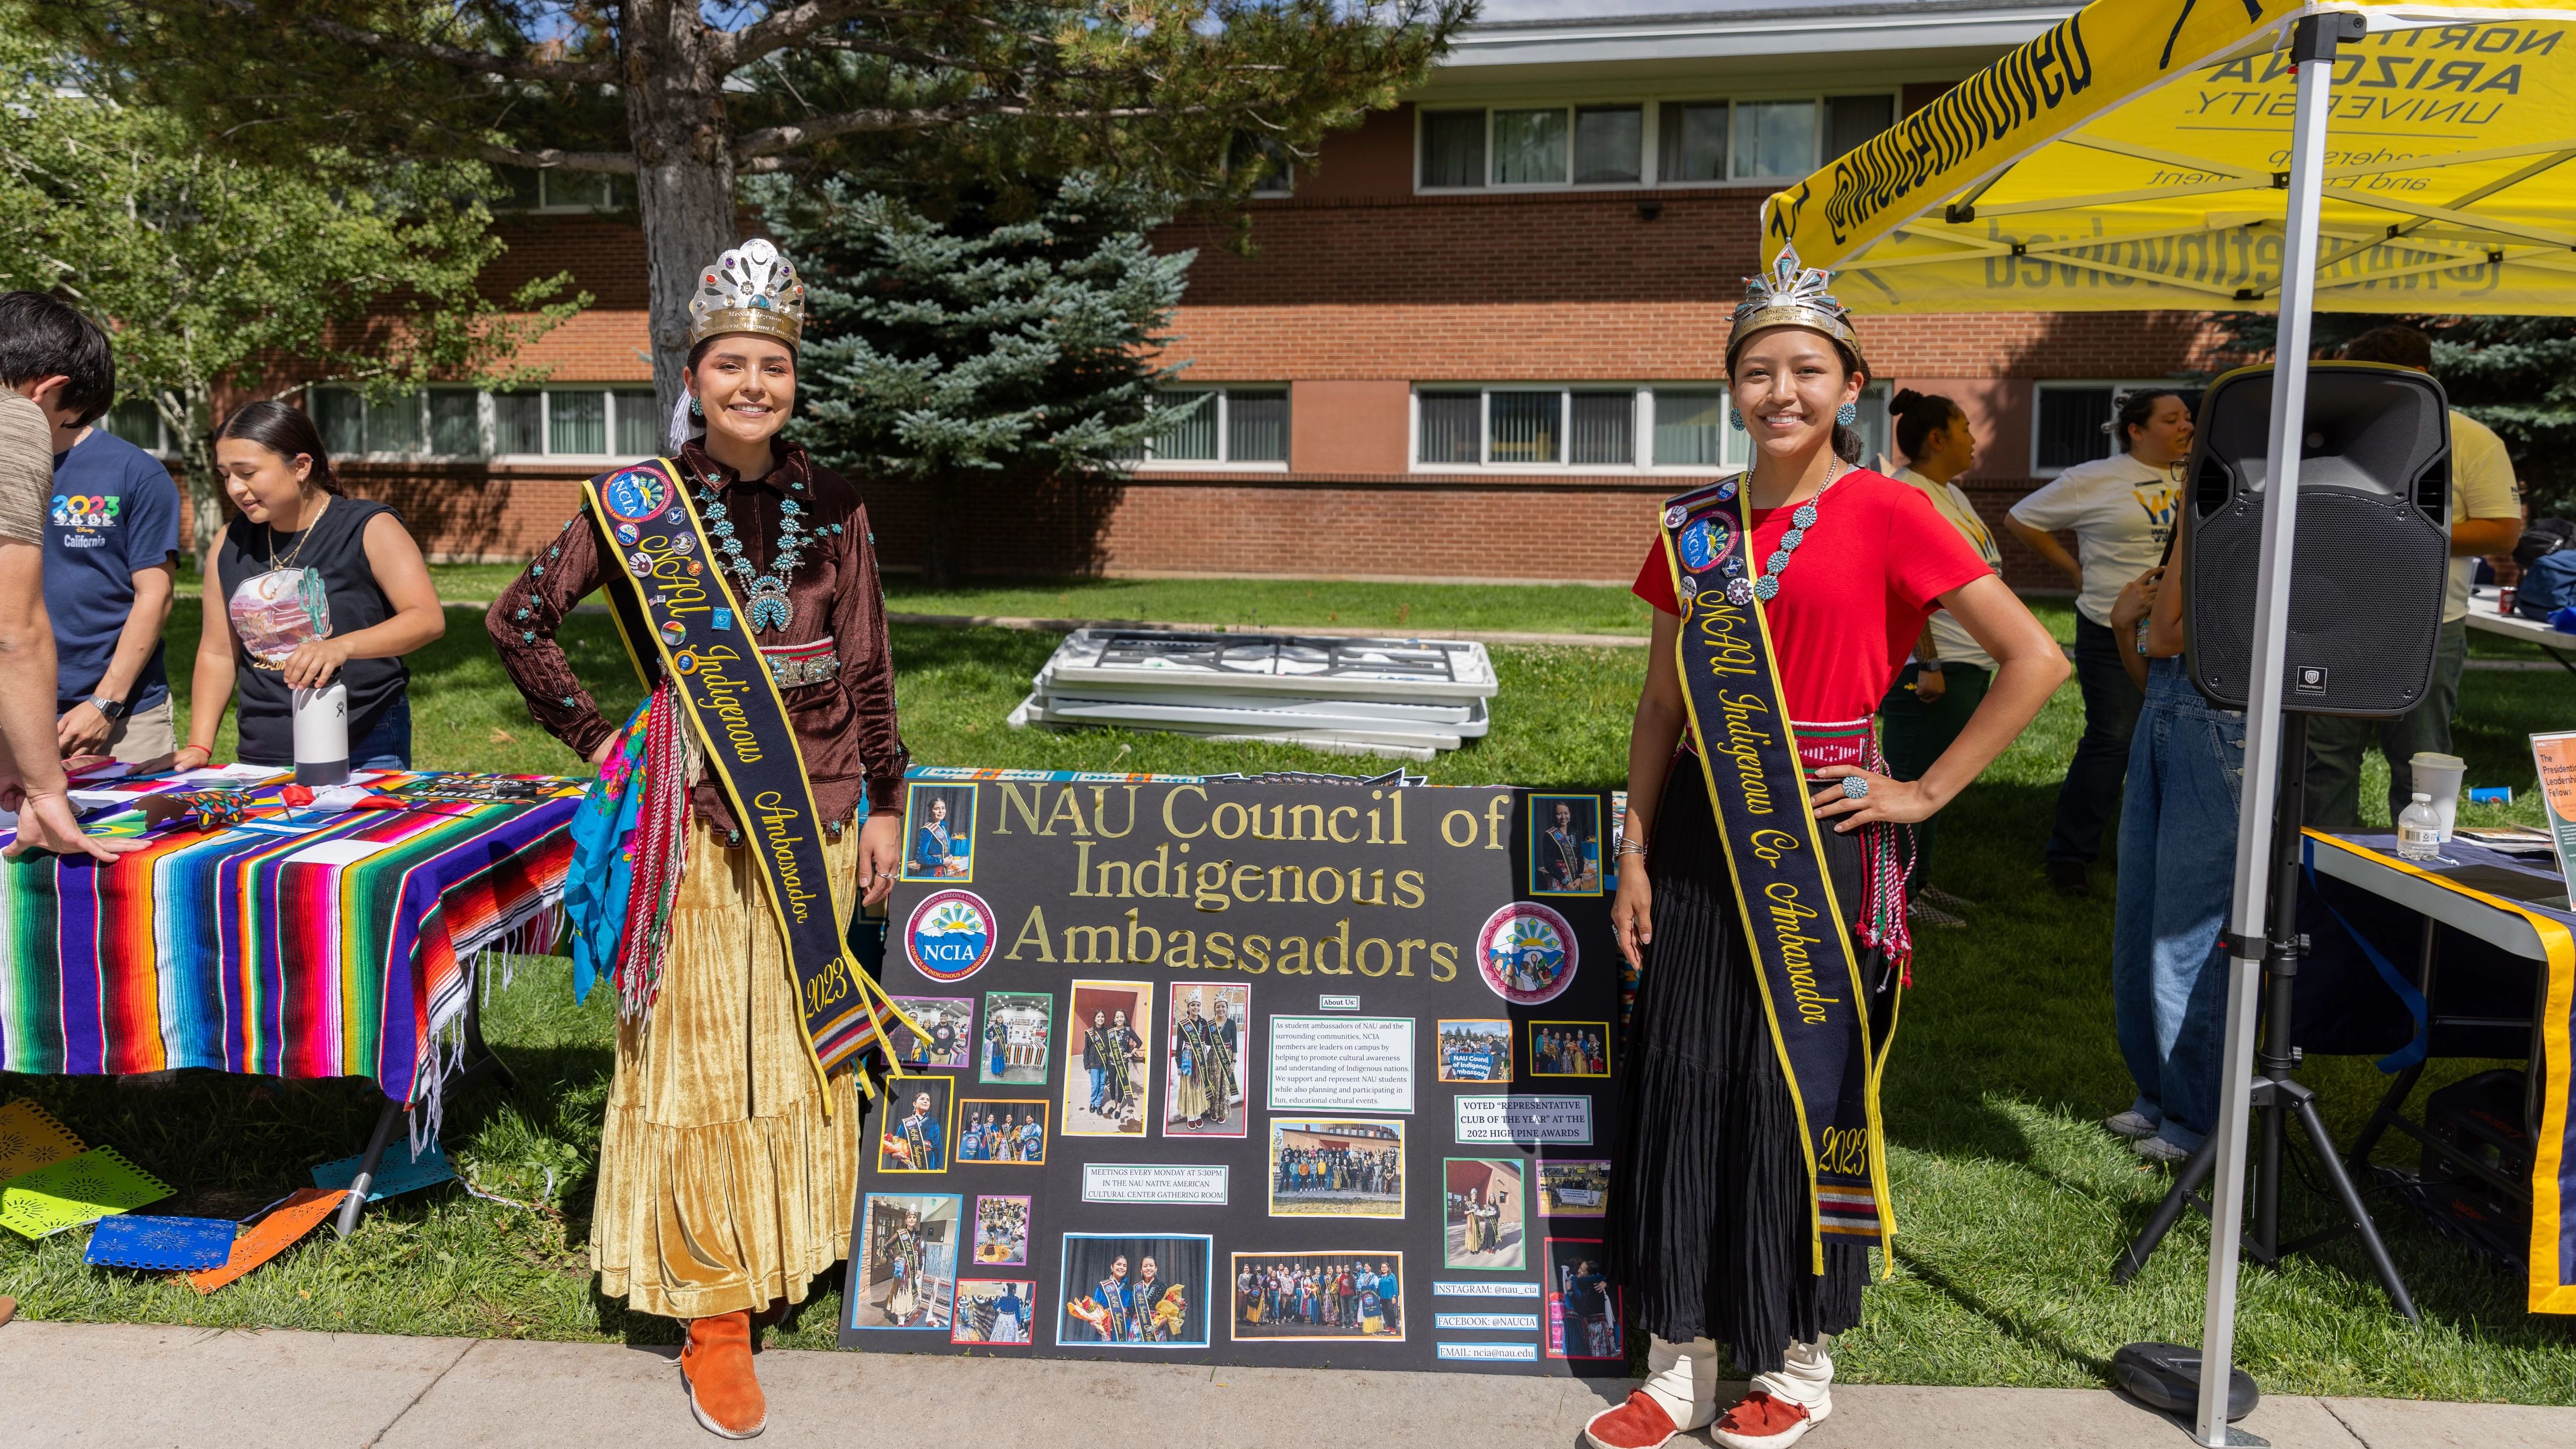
[1359, 896]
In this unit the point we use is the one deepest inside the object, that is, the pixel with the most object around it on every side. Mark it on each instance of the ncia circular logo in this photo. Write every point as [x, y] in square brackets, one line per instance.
[950, 935]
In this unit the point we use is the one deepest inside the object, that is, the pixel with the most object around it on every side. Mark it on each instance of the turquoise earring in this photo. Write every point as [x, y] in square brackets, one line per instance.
[1735, 420]
[1847, 414]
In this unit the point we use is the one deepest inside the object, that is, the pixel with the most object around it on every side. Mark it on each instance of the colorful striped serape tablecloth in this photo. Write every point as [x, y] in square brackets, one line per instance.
[322, 946]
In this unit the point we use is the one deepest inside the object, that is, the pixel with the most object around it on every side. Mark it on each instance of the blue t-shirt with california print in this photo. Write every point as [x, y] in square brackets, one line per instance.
[115, 512]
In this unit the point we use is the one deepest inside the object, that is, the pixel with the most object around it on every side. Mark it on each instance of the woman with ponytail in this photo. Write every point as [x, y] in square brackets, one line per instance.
[307, 585]
[1764, 901]
[1934, 696]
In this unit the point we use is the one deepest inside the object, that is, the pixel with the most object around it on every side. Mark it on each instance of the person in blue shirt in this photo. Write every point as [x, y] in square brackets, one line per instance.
[111, 565]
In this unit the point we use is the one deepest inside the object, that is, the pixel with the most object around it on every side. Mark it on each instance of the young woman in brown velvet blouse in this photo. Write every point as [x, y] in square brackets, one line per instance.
[726, 1167]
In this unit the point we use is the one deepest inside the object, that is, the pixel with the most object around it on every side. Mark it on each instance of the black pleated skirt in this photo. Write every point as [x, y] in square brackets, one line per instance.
[1709, 1200]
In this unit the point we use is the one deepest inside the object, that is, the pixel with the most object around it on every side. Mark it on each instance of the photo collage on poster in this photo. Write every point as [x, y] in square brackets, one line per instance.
[1275, 1100]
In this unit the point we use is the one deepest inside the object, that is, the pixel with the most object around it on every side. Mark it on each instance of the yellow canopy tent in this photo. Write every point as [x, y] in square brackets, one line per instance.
[2364, 155]
[2137, 156]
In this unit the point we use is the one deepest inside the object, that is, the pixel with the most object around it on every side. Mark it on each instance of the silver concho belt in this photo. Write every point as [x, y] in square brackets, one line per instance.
[793, 665]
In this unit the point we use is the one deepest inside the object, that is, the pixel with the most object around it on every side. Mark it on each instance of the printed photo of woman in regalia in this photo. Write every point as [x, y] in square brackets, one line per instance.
[1203, 1064]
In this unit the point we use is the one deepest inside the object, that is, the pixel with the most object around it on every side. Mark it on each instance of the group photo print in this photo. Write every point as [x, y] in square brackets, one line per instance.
[1018, 1026]
[1134, 1292]
[1108, 1049]
[1329, 1169]
[1002, 1130]
[1206, 1075]
[1320, 1295]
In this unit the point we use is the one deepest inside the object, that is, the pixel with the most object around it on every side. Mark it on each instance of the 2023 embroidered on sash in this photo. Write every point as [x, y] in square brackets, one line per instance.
[1802, 948]
[678, 602]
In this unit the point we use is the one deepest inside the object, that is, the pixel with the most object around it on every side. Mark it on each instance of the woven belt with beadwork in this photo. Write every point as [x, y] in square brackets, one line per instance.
[798, 664]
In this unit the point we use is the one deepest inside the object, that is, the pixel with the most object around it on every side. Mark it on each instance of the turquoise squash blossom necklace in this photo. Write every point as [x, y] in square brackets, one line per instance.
[765, 594]
[1740, 592]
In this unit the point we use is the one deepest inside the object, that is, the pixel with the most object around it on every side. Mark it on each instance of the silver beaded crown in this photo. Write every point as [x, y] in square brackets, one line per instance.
[1791, 295]
[749, 289]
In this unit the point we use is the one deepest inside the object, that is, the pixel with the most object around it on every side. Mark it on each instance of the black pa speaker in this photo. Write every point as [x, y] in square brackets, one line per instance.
[2373, 546]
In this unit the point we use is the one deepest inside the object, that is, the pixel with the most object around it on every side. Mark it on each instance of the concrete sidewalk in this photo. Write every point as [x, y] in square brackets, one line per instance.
[148, 1387]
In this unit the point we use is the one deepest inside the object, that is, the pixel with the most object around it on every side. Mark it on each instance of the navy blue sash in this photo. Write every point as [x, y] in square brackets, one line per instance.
[1802, 949]
[681, 621]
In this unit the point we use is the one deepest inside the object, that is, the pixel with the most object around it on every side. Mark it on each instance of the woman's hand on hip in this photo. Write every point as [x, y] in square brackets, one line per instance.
[1632, 913]
[1902, 801]
[880, 854]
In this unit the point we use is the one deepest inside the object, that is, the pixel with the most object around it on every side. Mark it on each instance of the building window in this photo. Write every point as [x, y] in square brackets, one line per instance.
[1775, 139]
[1529, 148]
[1694, 142]
[459, 422]
[1675, 142]
[1453, 148]
[1583, 425]
[138, 422]
[1224, 425]
[532, 189]
[1277, 173]
[2073, 423]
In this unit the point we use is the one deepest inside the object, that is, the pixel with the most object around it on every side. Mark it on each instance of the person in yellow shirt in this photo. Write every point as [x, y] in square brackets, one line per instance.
[2486, 517]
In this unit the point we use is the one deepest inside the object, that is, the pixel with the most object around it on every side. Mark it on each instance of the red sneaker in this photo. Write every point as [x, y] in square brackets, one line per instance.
[1640, 1423]
[1763, 1422]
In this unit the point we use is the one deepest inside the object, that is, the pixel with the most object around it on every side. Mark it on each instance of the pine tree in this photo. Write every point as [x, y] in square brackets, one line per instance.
[2517, 375]
[993, 341]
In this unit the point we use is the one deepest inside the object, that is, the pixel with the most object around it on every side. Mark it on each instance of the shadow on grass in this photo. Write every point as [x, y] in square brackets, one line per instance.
[2010, 1324]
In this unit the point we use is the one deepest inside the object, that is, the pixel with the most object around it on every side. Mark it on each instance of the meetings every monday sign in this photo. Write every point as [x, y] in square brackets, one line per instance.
[1220, 1071]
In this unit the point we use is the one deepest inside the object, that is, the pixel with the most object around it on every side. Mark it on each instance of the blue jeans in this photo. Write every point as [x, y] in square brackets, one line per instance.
[2177, 871]
[1099, 1084]
[388, 745]
[2110, 717]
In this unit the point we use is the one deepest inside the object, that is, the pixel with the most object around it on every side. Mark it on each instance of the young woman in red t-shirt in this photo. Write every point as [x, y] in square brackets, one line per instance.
[1712, 1238]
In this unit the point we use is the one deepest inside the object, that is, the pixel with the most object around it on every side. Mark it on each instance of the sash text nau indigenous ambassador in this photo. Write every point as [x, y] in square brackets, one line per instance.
[729, 1158]
[1766, 902]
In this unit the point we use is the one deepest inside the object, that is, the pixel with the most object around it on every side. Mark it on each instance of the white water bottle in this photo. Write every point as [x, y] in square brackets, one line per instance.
[322, 735]
[2419, 830]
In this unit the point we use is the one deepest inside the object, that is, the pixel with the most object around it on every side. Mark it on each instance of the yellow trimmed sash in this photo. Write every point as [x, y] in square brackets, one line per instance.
[1812, 989]
[681, 621]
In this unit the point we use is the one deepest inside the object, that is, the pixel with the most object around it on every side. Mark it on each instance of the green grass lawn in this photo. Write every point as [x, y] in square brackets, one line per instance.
[2013, 1203]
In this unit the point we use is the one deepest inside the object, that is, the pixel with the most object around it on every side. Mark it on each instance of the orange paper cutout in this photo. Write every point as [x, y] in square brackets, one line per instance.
[276, 1233]
[30, 1138]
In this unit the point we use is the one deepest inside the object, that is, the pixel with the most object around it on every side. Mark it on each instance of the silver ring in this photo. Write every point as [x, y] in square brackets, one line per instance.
[1855, 787]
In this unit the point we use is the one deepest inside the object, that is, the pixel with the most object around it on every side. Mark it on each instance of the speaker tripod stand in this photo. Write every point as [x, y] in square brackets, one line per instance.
[2277, 1096]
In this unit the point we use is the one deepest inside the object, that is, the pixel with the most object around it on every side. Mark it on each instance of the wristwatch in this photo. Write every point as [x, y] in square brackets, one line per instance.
[114, 709]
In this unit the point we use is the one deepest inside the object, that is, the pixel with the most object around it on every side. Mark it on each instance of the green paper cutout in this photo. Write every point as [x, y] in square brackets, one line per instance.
[77, 1190]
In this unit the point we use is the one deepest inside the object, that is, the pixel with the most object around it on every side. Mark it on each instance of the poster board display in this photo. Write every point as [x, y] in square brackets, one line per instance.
[1304, 1074]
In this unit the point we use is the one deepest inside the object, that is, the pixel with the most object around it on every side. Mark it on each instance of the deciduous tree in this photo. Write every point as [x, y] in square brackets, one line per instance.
[688, 95]
[212, 269]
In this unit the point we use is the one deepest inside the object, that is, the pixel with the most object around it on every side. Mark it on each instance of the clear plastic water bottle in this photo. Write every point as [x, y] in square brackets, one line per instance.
[2419, 830]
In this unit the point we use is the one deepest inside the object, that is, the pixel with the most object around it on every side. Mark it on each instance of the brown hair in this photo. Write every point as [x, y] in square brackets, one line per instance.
[2403, 346]
[285, 431]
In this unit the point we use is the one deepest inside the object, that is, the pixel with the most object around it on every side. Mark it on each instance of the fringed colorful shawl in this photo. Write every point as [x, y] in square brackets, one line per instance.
[630, 842]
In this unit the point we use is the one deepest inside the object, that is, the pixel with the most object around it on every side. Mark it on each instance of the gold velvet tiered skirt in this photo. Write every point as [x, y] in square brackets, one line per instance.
[722, 1185]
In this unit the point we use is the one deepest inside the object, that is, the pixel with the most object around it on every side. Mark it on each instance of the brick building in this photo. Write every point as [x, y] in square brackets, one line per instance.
[1497, 309]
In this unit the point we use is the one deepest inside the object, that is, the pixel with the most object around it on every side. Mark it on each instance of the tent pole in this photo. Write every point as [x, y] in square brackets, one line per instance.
[2312, 50]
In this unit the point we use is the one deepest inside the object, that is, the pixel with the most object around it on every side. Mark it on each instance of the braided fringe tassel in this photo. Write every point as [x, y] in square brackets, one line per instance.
[1887, 863]
[660, 845]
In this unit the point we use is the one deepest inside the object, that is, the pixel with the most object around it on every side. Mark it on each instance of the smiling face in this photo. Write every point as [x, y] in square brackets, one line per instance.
[1146, 1271]
[746, 385]
[265, 485]
[1788, 383]
[1564, 817]
[921, 1103]
[938, 809]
